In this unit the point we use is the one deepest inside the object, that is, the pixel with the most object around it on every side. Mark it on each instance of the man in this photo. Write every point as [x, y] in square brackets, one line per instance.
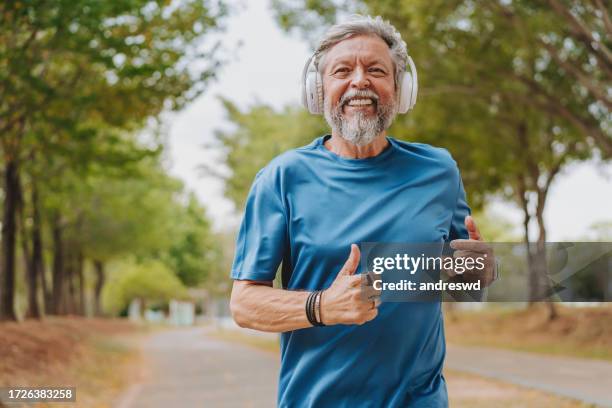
[310, 207]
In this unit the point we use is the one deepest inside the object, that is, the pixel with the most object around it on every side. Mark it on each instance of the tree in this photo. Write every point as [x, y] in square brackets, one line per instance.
[149, 281]
[261, 134]
[194, 254]
[80, 64]
[124, 216]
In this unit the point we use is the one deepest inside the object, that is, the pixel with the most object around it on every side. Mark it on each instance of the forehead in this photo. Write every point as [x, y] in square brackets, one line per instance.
[370, 48]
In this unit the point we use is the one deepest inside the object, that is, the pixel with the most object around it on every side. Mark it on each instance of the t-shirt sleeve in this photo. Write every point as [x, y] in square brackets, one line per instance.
[457, 229]
[263, 233]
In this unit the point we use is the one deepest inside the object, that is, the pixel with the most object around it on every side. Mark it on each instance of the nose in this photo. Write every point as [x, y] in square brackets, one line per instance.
[360, 80]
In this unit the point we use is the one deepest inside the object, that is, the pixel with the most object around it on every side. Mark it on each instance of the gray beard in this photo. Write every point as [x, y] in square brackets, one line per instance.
[360, 130]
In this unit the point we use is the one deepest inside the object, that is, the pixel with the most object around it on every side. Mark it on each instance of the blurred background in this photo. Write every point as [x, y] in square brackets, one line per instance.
[130, 133]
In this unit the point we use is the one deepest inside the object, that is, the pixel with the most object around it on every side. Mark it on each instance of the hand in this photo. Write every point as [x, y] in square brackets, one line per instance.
[344, 302]
[475, 247]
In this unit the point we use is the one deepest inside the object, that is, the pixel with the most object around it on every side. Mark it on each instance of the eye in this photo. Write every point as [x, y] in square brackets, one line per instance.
[378, 70]
[341, 70]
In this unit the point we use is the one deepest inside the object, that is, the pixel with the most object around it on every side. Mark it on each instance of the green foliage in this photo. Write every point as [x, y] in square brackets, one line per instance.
[144, 213]
[494, 227]
[261, 134]
[78, 80]
[127, 59]
[195, 254]
[150, 281]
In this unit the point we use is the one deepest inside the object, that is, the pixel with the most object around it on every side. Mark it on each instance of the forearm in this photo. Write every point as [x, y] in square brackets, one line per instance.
[261, 307]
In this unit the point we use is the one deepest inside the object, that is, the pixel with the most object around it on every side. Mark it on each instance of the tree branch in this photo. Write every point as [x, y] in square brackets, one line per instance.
[606, 16]
[583, 33]
[553, 104]
[595, 89]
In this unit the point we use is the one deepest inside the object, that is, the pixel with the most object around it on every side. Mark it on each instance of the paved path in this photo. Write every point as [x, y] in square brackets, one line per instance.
[190, 369]
[586, 380]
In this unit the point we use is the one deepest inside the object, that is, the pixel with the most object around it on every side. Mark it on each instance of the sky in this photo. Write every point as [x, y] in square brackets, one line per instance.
[266, 66]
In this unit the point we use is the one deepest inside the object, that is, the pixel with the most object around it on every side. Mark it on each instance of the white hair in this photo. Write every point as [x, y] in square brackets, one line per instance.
[365, 25]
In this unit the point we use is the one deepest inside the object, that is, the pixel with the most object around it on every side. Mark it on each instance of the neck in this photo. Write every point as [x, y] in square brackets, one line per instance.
[343, 148]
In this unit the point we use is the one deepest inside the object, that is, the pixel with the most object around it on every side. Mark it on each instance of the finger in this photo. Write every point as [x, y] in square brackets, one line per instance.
[371, 314]
[466, 254]
[370, 293]
[472, 229]
[368, 278]
[355, 281]
[470, 245]
[351, 264]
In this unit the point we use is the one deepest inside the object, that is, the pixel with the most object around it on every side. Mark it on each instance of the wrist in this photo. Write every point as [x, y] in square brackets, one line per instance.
[320, 308]
[313, 308]
[327, 313]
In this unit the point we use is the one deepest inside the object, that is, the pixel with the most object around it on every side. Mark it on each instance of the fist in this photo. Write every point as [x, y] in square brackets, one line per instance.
[344, 302]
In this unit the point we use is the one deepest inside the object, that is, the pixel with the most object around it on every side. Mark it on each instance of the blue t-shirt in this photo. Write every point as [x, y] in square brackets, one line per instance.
[305, 209]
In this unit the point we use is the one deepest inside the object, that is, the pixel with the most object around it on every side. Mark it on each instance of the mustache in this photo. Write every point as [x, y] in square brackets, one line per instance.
[367, 93]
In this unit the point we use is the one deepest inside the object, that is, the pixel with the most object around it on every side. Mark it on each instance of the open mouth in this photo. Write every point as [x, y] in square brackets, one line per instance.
[360, 103]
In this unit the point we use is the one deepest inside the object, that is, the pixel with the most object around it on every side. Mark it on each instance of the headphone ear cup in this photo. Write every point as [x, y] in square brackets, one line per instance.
[319, 94]
[405, 93]
[414, 80]
[310, 91]
[312, 94]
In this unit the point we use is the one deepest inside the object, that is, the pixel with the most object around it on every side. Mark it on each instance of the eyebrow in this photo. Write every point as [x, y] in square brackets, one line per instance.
[348, 61]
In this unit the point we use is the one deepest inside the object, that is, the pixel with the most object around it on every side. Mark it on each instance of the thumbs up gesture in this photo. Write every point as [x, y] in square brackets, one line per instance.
[475, 247]
[343, 302]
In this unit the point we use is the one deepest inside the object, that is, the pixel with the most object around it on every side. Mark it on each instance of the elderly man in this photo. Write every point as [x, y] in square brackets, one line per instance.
[310, 207]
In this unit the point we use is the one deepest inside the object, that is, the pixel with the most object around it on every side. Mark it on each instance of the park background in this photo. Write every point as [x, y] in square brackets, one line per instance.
[131, 132]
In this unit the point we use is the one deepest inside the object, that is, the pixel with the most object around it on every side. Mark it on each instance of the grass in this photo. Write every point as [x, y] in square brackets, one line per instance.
[472, 391]
[260, 343]
[577, 332]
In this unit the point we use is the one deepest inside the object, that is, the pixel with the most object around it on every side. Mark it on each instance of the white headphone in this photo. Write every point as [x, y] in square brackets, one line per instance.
[312, 88]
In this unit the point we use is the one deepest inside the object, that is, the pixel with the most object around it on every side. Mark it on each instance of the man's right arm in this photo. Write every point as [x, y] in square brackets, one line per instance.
[257, 305]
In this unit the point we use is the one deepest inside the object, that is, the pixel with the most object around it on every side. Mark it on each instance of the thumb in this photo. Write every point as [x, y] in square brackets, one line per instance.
[351, 264]
[472, 229]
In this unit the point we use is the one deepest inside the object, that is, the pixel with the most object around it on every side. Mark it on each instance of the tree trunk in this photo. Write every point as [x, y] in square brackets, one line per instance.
[70, 300]
[58, 267]
[542, 264]
[37, 252]
[99, 269]
[81, 284]
[7, 280]
[532, 276]
[33, 310]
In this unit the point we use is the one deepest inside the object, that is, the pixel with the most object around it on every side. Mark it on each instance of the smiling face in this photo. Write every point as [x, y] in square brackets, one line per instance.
[359, 88]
